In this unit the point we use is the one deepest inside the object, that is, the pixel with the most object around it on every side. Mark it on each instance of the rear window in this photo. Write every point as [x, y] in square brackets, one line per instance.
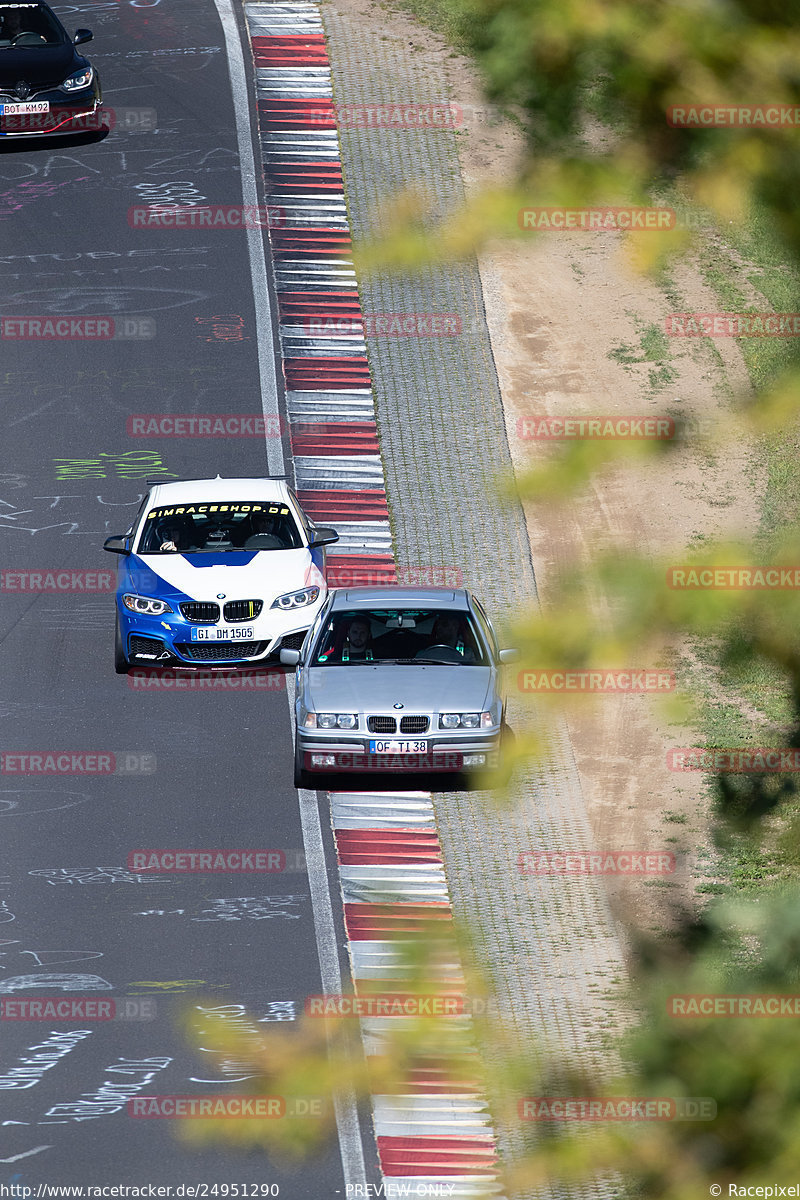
[28, 26]
[218, 528]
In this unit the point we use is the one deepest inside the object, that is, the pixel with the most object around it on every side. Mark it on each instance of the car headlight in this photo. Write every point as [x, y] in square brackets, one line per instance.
[296, 599]
[146, 604]
[337, 720]
[470, 720]
[80, 80]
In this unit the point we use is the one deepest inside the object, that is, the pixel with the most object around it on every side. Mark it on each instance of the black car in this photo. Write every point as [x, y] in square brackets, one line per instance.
[46, 86]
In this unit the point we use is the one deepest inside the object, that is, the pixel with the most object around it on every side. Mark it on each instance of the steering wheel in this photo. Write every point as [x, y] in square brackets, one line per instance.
[447, 654]
[263, 541]
[33, 38]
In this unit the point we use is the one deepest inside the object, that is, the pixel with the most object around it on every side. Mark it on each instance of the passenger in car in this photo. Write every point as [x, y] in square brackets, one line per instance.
[358, 642]
[12, 25]
[350, 642]
[170, 537]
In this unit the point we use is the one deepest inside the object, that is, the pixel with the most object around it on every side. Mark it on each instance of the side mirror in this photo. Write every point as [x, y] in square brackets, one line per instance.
[81, 36]
[117, 545]
[290, 658]
[324, 536]
[508, 656]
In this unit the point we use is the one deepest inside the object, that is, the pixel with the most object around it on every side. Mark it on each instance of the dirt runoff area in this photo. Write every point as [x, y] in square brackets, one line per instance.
[572, 325]
[569, 318]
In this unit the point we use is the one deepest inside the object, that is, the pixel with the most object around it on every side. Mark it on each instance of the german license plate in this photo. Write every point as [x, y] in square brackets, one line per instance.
[393, 746]
[30, 106]
[215, 634]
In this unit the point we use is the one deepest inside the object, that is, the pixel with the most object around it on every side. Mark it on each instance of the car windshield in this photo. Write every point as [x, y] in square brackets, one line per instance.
[442, 636]
[28, 26]
[218, 528]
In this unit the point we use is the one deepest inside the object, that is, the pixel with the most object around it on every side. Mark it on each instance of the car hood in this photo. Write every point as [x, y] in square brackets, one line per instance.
[239, 574]
[48, 64]
[377, 688]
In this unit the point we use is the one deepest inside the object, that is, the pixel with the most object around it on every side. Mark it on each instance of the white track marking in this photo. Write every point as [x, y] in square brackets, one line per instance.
[255, 237]
[25, 1154]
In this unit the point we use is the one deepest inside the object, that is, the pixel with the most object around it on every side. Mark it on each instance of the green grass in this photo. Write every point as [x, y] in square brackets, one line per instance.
[445, 17]
[744, 267]
[654, 347]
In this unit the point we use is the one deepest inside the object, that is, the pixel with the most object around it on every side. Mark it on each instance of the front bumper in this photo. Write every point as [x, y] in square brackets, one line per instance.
[444, 752]
[166, 641]
[82, 112]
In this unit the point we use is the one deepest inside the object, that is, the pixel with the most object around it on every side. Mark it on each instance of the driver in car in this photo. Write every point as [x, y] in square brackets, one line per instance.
[264, 533]
[448, 631]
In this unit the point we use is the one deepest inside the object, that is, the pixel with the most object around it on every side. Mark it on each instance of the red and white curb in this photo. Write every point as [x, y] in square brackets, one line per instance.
[432, 1130]
[434, 1135]
[328, 387]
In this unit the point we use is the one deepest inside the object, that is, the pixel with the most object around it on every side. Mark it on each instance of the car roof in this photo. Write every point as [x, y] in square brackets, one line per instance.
[184, 491]
[394, 597]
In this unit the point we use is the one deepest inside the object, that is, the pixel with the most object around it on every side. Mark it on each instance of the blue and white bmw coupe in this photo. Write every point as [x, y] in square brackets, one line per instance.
[217, 573]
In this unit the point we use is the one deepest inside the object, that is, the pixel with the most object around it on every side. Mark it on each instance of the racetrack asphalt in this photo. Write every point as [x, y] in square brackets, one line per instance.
[209, 768]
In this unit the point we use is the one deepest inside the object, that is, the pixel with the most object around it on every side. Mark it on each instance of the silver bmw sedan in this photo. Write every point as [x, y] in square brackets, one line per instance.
[398, 679]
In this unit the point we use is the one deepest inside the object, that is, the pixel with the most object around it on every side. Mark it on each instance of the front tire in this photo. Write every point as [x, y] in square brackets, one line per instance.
[121, 664]
[302, 778]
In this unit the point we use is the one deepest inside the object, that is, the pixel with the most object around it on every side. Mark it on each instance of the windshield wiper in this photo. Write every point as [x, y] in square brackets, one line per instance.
[354, 662]
[431, 662]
